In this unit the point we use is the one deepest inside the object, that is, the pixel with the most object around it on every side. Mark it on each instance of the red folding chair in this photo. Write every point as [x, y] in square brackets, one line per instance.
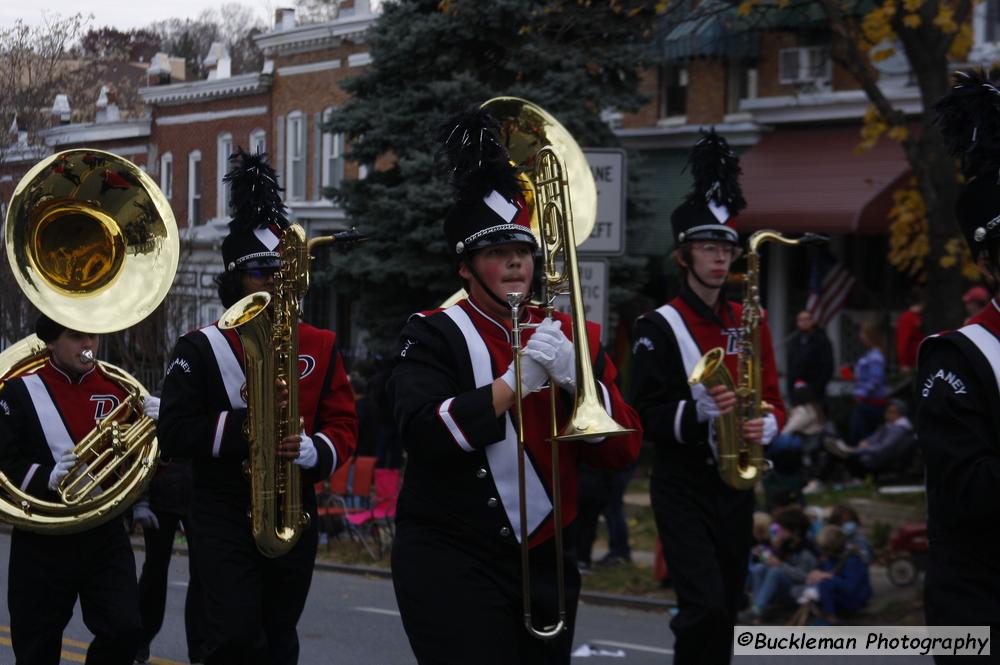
[382, 516]
[351, 499]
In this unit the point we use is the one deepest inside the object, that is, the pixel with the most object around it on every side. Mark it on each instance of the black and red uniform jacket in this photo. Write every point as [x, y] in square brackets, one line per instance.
[202, 410]
[958, 428]
[43, 415]
[461, 473]
[668, 341]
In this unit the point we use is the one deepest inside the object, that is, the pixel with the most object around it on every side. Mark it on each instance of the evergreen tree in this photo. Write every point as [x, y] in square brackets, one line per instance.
[433, 58]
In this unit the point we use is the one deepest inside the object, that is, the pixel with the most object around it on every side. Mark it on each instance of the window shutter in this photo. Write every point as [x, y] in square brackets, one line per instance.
[278, 156]
[317, 163]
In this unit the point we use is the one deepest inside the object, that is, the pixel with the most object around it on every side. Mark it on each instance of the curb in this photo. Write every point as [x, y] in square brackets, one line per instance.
[589, 597]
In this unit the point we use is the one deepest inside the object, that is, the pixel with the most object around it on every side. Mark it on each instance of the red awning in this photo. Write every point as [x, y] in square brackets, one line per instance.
[810, 179]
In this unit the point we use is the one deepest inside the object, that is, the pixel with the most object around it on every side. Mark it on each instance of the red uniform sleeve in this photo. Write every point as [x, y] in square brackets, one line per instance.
[616, 452]
[335, 428]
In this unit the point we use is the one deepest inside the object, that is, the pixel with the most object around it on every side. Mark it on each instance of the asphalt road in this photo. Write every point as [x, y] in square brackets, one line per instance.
[352, 619]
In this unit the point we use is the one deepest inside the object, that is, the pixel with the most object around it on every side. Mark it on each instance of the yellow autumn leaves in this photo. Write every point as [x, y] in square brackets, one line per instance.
[877, 26]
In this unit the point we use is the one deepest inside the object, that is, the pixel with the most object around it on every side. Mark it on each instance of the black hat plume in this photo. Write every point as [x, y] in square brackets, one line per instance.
[476, 161]
[969, 120]
[716, 171]
[255, 194]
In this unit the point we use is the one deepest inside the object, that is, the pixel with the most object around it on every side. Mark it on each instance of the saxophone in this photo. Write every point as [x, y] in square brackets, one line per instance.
[269, 331]
[742, 463]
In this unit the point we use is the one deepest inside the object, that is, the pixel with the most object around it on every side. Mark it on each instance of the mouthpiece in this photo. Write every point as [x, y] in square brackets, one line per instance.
[87, 356]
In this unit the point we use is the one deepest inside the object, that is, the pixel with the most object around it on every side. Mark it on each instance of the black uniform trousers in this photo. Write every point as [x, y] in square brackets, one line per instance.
[153, 584]
[961, 588]
[48, 572]
[461, 603]
[252, 603]
[706, 529]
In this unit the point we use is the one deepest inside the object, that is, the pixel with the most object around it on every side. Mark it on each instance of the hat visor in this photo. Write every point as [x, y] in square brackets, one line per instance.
[261, 263]
[722, 234]
[503, 237]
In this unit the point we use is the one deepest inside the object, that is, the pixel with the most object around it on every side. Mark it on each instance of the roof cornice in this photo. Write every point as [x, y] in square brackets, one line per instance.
[181, 93]
[95, 131]
[315, 36]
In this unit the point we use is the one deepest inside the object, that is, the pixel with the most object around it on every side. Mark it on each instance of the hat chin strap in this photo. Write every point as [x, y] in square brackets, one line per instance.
[479, 280]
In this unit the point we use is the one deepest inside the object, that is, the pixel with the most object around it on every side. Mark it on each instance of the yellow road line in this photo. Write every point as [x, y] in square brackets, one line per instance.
[80, 658]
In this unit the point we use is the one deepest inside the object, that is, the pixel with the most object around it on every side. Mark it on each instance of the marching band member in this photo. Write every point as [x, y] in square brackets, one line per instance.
[42, 417]
[705, 525]
[252, 602]
[161, 512]
[958, 416]
[456, 558]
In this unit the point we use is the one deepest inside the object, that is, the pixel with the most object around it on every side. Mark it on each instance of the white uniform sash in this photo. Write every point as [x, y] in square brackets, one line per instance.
[56, 435]
[502, 455]
[690, 355]
[233, 377]
[986, 342]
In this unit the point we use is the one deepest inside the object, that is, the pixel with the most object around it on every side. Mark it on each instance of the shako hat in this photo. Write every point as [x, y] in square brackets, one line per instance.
[708, 211]
[258, 214]
[489, 208]
[969, 119]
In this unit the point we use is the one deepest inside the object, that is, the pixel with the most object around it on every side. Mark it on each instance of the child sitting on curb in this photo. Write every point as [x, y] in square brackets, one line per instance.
[782, 567]
[840, 584]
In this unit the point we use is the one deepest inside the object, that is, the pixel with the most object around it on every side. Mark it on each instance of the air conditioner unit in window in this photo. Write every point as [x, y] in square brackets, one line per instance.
[805, 66]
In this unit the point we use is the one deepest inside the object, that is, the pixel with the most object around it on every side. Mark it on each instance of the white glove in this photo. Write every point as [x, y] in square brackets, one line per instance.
[151, 407]
[550, 347]
[61, 469]
[143, 516]
[533, 375]
[308, 457]
[704, 405]
[770, 429]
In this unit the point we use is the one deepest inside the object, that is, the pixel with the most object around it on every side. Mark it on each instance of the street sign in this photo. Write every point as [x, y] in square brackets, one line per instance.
[594, 288]
[608, 235]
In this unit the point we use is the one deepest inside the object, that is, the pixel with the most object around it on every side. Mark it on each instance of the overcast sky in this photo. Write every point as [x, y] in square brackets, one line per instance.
[123, 14]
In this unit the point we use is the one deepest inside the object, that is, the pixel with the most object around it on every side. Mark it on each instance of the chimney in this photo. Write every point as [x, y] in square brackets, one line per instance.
[159, 70]
[61, 110]
[284, 18]
[218, 62]
[107, 106]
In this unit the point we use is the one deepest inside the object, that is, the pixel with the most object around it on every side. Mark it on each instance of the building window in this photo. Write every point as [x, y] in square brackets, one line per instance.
[258, 142]
[223, 196]
[194, 188]
[295, 163]
[167, 174]
[333, 156]
[673, 91]
[807, 66]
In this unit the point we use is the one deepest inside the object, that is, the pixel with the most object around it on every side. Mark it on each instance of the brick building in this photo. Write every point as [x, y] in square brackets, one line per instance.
[795, 117]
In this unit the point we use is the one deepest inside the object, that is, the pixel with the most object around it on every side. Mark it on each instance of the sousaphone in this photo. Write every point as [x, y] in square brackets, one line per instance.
[93, 244]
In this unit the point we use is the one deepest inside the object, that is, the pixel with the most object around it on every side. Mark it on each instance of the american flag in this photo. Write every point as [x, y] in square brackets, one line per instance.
[830, 282]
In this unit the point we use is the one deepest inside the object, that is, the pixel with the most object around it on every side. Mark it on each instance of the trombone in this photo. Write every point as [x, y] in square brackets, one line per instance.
[550, 191]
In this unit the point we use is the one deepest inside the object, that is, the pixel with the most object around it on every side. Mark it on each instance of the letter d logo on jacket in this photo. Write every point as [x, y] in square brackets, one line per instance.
[104, 405]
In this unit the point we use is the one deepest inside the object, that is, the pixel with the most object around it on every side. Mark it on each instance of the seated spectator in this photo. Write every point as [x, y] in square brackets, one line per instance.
[869, 384]
[761, 528]
[840, 584]
[781, 567]
[847, 519]
[892, 445]
[783, 486]
[805, 419]
[889, 448]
